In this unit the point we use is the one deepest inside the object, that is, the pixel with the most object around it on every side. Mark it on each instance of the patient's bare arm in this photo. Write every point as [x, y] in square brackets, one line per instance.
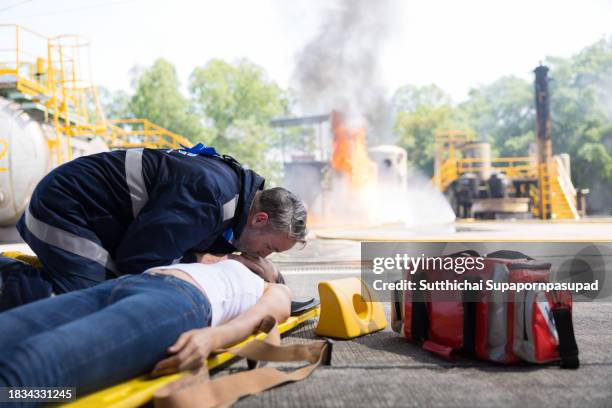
[194, 346]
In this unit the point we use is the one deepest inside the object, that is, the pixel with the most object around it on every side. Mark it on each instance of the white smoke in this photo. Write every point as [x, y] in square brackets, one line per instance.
[340, 67]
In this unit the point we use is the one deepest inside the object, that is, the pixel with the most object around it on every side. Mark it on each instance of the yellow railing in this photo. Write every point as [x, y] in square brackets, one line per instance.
[534, 194]
[447, 174]
[513, 167]
[450, 165]
[563, 193]
[544, 196]
[128, 133]
[23, 54]
[452, 137]
[53, 73]
[554, 197]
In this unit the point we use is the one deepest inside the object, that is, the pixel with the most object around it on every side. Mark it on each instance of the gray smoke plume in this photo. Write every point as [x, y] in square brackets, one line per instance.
[340, 67]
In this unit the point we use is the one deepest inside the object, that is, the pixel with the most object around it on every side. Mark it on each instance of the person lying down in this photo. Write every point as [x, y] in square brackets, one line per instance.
[161, 321]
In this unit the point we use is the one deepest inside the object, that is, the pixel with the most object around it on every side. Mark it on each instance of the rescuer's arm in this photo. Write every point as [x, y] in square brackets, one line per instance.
[174, 220]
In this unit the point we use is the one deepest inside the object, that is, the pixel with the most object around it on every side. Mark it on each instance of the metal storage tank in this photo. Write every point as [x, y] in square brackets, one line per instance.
[24, 160]
[392, 164]
[25, 157]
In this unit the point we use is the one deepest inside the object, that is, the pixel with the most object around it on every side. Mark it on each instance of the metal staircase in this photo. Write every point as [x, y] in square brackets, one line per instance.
[559, 196]
[49, 79]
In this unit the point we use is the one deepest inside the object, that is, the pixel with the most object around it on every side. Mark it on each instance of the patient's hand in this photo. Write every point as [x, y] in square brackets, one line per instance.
[261, 266]
[189, 352]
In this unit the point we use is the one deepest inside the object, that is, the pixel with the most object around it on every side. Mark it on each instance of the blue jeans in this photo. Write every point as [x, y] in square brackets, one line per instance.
[95, 337]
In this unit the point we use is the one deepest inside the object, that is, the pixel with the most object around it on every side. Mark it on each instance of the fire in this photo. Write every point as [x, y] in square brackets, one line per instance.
[353, 178]
[350, 156]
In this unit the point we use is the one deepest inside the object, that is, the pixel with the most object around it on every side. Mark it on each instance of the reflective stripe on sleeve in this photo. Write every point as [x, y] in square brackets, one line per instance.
[135, 179]
[68, 241]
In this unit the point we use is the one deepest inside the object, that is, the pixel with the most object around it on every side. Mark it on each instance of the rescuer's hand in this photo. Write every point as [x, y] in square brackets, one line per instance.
[261, 266]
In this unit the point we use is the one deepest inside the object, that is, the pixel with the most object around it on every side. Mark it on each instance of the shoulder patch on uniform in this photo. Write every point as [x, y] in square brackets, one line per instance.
[229, 208]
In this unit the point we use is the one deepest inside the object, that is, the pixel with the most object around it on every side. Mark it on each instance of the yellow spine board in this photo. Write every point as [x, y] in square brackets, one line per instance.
[31, 259]
[138, 391]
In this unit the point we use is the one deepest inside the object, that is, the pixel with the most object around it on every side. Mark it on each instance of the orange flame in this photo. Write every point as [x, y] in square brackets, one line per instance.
[350, 156]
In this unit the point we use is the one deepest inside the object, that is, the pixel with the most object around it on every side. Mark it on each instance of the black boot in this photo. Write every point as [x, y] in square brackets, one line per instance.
[21, 283]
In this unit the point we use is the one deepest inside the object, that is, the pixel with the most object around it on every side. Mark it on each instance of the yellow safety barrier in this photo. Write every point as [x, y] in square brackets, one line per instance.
[139, 391]
[31, 259]
[349, 309]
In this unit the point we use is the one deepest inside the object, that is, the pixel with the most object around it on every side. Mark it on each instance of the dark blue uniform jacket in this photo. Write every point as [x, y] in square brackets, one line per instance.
[191, 201]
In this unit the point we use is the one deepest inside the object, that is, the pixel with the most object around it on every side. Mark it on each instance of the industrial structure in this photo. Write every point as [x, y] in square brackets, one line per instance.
[50, 113]
[538, 185]
[341, 186]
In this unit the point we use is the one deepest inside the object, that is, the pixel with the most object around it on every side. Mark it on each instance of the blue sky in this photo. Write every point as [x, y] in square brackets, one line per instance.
[455, 44]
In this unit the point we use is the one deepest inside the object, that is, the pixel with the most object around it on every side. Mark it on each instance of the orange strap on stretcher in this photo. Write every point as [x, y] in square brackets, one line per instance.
[197, 390]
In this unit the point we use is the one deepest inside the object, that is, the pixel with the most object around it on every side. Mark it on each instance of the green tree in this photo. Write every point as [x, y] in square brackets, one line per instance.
[225, 92]
[238, 102]
[420, 113]
[409, 98]
[157, 97]
[416, 131]
[243, 140]
[114, 104]
[581, 110]
[503, 114]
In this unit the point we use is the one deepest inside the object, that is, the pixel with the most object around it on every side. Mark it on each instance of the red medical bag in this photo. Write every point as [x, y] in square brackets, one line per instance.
[500, 326]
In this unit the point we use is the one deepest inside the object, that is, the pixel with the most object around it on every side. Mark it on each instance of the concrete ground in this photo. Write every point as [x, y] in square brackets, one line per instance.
[382, 369]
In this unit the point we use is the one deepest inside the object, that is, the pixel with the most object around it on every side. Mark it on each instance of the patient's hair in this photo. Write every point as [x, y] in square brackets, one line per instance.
[286, 212]
[280, 279]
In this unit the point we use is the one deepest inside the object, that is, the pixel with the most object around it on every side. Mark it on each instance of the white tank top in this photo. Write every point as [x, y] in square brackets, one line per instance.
[230, 286]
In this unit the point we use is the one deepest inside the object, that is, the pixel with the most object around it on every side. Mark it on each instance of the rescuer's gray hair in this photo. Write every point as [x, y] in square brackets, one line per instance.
[286, 212]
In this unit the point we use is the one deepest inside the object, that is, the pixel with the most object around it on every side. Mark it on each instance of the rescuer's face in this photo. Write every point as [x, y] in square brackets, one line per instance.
[259, 239]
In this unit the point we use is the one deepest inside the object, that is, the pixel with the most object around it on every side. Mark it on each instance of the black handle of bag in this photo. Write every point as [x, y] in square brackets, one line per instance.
[568, 349]
[507, 254]
[469, 299]
[419, 322]
[530, 266]
[466, 252]
[397, 302]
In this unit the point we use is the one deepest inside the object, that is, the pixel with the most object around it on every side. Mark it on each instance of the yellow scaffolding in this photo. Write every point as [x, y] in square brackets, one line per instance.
[129, 133]
[450, 165]
[558, 200]
[52, 75]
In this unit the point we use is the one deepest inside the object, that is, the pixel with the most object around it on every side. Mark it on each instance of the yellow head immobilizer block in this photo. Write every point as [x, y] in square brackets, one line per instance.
[349, 309]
